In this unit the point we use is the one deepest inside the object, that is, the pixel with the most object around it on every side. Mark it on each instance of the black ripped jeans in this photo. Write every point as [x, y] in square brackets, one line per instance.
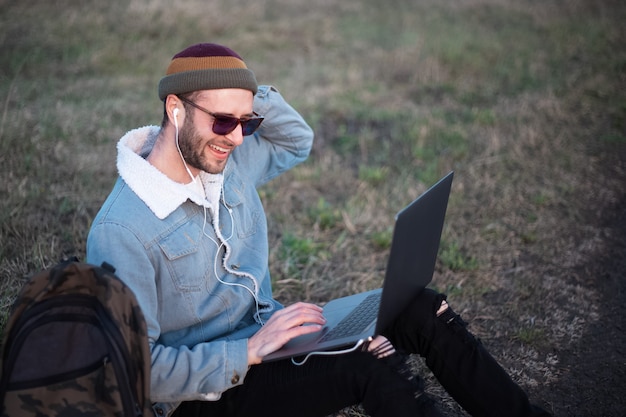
[326, 384]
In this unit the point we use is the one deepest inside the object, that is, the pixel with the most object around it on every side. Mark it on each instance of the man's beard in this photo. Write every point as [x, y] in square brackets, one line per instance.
[192, 147]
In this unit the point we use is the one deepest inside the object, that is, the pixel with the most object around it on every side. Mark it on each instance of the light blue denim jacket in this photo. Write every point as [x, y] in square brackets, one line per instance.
[196, 286]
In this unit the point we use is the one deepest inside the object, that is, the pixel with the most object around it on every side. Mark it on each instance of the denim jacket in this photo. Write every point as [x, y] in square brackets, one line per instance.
[203, 293]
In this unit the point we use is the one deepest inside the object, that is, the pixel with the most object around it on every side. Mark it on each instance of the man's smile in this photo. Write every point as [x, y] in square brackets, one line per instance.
[218, 150]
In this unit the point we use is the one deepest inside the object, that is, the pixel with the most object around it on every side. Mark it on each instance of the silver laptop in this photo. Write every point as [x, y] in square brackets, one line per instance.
[353, 319]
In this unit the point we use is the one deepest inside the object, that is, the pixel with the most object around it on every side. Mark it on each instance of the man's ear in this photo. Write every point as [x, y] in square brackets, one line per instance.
[174, 109]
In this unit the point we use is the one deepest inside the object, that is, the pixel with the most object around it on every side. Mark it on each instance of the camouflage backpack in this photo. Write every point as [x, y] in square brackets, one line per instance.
[75, 345]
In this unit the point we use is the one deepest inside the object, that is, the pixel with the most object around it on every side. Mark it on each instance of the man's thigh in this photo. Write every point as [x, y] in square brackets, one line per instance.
[319, 387]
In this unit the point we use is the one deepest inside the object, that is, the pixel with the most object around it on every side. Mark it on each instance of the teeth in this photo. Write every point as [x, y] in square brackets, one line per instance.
[217, 148]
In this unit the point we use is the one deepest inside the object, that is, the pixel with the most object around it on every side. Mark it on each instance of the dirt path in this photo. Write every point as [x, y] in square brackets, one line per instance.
[593, 382]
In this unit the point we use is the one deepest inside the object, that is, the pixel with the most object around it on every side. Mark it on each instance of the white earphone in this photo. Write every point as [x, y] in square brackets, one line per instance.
[175, 112]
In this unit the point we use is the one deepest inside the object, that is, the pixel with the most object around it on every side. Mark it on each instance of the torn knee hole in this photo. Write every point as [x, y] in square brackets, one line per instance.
[442, 308]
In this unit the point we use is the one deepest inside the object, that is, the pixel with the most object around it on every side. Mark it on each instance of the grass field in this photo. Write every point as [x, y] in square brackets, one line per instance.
[524, 100]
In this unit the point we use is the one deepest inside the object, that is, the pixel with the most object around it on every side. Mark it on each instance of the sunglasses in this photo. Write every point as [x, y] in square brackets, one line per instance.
[223, 125]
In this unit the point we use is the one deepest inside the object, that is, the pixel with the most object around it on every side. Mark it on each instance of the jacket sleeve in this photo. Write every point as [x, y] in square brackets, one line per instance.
[178, 373]
[283, 140]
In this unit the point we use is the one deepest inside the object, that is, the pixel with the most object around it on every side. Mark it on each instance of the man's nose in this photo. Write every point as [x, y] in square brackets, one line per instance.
[236, 136]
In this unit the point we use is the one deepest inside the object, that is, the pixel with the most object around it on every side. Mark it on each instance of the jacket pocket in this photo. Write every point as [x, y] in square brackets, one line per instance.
[180, 246]
[245, 204]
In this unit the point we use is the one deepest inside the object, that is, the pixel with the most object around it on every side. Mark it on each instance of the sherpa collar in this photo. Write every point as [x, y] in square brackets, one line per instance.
[159, 192]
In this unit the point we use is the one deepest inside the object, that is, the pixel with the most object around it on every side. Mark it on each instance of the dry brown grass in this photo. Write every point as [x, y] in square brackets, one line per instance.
[524, 101]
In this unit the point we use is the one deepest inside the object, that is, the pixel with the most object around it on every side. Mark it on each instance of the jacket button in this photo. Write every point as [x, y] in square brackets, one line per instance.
[234, 379]
[235, 266]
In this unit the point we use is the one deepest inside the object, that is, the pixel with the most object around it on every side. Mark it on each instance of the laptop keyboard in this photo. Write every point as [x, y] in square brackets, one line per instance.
[357, 320]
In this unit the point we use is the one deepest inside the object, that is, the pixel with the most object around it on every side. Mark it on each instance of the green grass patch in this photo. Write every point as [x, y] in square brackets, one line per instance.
[453, 257]
[324, 215]
[296, 253]
[382, 239]
[373, 175]
[530, 335]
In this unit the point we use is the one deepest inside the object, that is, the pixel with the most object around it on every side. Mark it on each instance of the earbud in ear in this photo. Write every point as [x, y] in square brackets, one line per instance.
[175, 112]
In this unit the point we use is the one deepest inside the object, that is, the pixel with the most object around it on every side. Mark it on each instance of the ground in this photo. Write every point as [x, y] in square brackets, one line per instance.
[584, 374]
[591, 371]
[593, 381]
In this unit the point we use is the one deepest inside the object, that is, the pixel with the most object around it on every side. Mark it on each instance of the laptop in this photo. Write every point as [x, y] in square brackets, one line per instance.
[354, 319]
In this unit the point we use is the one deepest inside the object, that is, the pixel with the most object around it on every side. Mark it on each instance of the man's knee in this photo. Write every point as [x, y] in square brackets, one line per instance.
[430, 303]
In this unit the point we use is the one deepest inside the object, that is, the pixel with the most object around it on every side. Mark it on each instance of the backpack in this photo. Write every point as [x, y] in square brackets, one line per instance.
[75, 344]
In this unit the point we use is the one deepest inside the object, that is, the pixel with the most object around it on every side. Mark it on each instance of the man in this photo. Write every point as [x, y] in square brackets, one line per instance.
[186, 230]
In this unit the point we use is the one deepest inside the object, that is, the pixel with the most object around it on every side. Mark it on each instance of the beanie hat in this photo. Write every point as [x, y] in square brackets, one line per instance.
[206, 66]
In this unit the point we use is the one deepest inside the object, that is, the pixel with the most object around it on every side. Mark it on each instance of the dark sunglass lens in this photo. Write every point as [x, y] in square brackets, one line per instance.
[223, 125]
[249, 126]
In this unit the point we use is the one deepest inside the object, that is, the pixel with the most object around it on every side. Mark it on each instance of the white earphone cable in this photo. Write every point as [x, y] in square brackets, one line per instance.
[222, 243]
[178, 148]
[216, 260]
[329, 353]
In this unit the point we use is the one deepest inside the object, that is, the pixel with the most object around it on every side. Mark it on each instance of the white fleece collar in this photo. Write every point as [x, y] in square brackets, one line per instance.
[159, 192]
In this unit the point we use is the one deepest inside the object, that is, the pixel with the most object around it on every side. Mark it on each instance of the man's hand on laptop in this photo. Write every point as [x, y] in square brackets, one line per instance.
[283, 326]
